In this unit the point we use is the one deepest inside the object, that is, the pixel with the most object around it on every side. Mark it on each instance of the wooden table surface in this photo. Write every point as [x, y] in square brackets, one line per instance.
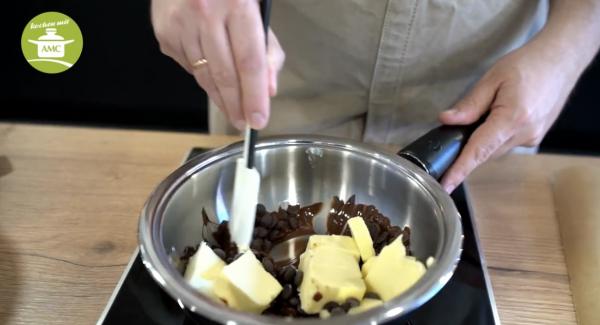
[70, 199]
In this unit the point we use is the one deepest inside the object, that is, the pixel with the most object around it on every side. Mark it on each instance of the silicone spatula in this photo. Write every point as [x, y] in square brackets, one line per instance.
[247, 179]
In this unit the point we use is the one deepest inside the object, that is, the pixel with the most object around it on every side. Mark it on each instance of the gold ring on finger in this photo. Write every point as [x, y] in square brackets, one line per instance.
[199, 63]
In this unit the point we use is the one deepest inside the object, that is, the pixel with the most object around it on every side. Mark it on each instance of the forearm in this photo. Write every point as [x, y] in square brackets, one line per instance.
[571, 36]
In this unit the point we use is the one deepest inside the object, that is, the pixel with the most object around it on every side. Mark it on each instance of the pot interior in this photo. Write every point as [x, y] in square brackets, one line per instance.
[305, 173]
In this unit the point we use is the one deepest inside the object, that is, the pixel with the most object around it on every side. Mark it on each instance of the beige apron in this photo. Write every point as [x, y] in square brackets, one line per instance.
[381, 70]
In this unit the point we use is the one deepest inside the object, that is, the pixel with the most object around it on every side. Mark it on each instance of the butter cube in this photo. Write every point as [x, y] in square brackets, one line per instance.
[365, 305]
[429, 261]
[232, 297]
[362, 238]
[245, 285]
[207, 287]
[330, 274]
[367, 266]
[324, 314]
[395, 248]
[393, 272]
[204, 263]
[202, 269]
[343, 243]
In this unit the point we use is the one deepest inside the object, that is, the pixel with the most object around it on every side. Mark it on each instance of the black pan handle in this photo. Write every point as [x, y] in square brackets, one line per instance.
[436, 151]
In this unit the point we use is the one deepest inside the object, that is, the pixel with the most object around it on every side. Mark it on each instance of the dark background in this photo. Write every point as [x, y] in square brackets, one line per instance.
[122, 80]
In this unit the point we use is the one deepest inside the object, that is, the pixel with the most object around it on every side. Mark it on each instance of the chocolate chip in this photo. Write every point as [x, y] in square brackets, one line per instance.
[370, 210]
[282, 225]
[293, 209]
[289, 311]
[267, 220]
[406, 236]
[232, 250]
[353, 302]
[259, 255]
[289, 274]
[347, 232]
[268, 264]
[287, 291]
[267, 245]
[318, 296]
[260, 232]
[392, 236]
[374, 229]
[222, 236]
[293, 222]
[395, 231]
[381, 238]
[256, 244]
[260, 210]
[289, 214]
[336, 204]
[372, 295]
[220, 253]
[298, 278]
[280, 271]
[301, 313]
[330, 305]
[294, 301]
[274, 234]
[345, 306]
[188, 252]
[382, 220]
[406, 231]
[337, 311]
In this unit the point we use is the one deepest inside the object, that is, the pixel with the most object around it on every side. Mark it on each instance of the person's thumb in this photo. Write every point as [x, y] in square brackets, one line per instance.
[470, 108]
[276, 58]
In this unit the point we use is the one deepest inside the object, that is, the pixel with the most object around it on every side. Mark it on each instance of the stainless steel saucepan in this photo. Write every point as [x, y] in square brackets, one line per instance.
[305, 170]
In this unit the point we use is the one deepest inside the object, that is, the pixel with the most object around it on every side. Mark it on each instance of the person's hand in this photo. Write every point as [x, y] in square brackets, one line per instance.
[524, 92]
[238, 76]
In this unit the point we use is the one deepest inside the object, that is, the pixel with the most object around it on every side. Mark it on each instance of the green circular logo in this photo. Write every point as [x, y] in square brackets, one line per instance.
[51, 42]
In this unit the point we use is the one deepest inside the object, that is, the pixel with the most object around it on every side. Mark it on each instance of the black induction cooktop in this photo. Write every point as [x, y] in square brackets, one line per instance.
[466, 299]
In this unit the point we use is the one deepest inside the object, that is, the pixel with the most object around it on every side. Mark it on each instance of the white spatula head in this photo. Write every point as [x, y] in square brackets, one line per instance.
[243, 208]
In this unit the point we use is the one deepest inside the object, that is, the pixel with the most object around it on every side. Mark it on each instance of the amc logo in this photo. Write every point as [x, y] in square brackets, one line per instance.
[51, 45]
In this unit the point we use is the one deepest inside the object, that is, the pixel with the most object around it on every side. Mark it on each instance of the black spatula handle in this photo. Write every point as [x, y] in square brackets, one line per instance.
[265, 13]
